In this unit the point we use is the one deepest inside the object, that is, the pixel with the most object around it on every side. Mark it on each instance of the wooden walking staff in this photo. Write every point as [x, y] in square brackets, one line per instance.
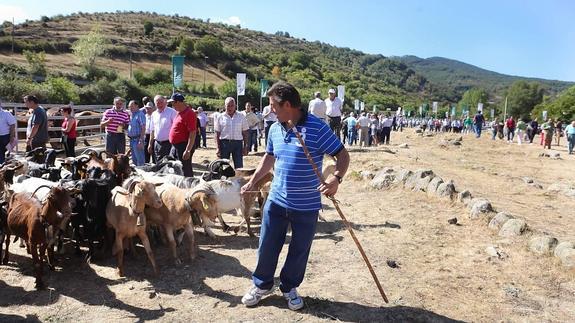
[336, 205]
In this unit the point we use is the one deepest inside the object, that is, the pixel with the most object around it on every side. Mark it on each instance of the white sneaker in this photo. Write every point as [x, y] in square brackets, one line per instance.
[254, 296]
[295, 302]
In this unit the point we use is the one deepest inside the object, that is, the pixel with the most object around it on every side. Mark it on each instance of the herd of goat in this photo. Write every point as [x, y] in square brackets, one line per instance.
[97, 202]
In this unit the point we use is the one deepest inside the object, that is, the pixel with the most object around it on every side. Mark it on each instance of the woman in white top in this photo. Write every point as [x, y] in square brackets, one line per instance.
[7, 131]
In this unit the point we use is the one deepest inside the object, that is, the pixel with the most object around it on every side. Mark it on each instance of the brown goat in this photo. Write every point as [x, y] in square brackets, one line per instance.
[38, 223]
[122, 212]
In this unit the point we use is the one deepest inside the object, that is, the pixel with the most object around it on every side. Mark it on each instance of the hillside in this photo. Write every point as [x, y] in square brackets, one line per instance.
[461, 76]
[218, 51]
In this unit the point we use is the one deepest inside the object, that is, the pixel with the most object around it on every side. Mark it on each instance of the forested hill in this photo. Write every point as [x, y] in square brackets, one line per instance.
[458, 76]
[224, 50]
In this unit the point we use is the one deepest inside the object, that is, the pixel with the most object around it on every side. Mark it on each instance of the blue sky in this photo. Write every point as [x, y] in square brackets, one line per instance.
[525, 38]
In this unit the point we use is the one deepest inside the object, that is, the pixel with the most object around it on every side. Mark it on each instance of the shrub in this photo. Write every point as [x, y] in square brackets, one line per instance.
[148, 28]
[61, 90]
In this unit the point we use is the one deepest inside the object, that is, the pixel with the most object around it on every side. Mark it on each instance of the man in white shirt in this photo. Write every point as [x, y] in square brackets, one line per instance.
[386, 124]
[203, 117]
[269, 119]
[7, 131]
[363, 122]
[162, 120]
[231, 129]
[333, 111]
[317, 106]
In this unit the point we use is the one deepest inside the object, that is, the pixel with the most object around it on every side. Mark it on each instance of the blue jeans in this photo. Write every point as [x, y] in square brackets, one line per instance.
[252, 139]
[137, 153]
[351, 136]
[478, 130]
[203, 134]
[115, 143]
[571, 140]
[272, 238]
[233, 148]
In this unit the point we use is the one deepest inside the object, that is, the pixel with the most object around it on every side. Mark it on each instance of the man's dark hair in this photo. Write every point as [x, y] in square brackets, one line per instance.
[283, 91]
[32, 98]
[145, 100]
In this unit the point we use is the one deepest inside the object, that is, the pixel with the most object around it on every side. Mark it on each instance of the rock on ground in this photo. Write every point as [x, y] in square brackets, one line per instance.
[433, 185]
[382, 180]
[403, 175]
[479, 208]
[405, 146]
[412, 180]
[366, 174]
[513, 228]
[446, 189]
[464, 197]
[543, 245]
[566, 252]
[499, 220]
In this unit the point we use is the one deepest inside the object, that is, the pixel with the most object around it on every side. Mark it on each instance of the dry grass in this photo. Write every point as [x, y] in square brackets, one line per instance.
[444, 273]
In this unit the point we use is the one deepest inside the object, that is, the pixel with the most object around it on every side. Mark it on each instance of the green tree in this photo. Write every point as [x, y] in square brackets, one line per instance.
[562, 107]
[36, 62]
[186, 47]
[522, 97]
[148, 28]
[209, 46]
[471, 98]
[61, 90]
[88, 48]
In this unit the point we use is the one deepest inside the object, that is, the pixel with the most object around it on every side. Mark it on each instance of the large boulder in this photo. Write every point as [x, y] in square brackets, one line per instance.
[446, 189]
[543, 245]
[565, 251]
[562, 188]
[499, 220]
[563, 247]
[382, 180]
[513, 228]
[479, 208]
[421, 184]
[412, 180]
[464, 197]
[433, 185]
[403, 175]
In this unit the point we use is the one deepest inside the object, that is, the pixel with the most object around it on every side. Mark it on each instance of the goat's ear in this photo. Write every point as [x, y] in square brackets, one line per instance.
[158, 184]
[205, 203]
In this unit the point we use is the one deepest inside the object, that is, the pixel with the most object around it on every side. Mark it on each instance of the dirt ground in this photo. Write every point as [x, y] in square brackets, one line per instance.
[443, 273]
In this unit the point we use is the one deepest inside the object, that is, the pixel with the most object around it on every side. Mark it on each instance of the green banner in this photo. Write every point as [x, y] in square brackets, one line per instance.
[264, 86]
[178, 71]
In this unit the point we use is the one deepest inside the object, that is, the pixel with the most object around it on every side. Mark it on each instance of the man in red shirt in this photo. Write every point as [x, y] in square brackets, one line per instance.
[183, 133]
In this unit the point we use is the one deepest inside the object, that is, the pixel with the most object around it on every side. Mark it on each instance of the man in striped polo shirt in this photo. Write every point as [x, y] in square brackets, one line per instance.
[295, 196]
[116, 120]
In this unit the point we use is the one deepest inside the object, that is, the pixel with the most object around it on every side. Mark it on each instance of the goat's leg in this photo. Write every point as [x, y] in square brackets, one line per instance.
[76, 236]
[50, 257]
[225, 227]
[191, 240]
[169, 232]
[144, 238]
[118, 250]
[6, 253]
[37, 260]
[209, 231]
[2, 236]
[22, 245]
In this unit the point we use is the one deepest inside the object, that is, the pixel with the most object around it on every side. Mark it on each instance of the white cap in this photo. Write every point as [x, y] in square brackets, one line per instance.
[330, 91]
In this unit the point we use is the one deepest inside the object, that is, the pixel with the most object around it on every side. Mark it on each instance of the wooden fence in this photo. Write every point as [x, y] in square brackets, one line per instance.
[90, 132]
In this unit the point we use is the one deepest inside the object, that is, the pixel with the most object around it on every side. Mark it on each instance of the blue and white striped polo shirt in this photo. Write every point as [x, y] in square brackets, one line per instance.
[295, 184]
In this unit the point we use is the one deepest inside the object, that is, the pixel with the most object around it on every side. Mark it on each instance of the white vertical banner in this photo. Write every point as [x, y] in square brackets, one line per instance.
[545, 115]
[435, 105]
[492, 113]
[362, 105]
[356, 104]
[479, 107]
[398, 111]
[241, 83]
[374, 108]
[421, 110]
[341, 92]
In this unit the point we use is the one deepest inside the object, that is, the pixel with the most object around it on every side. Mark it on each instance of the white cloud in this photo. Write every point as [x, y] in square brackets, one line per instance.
[7, 12]
[232, 20]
